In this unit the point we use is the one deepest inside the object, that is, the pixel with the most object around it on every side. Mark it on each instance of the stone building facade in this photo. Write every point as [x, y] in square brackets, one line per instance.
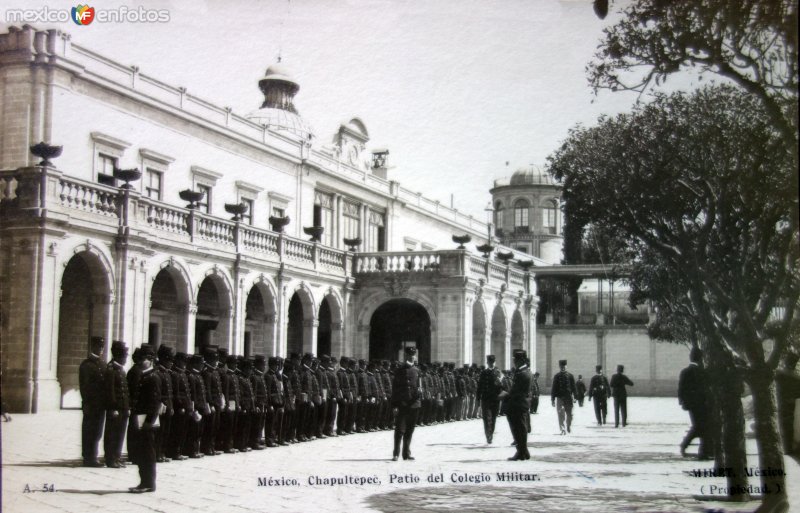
[85, 253]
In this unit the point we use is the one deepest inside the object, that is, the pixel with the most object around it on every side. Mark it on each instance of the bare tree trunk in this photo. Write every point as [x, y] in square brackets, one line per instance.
[729, 434]
[770, 454]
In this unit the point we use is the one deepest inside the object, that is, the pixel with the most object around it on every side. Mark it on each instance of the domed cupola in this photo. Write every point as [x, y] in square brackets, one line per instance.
[531, 175]
[278, 111]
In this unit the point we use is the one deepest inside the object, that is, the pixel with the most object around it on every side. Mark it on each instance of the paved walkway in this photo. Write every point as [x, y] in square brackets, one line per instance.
[597, 469]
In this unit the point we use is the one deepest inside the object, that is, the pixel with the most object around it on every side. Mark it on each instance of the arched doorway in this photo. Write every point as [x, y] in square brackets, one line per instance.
[83, 313]
[212, 325]
[478, 333]
[499, 336]
[517, 331]
[324, 328]
[168, 310]
[396, 324]
[300, 328]
[259, 323]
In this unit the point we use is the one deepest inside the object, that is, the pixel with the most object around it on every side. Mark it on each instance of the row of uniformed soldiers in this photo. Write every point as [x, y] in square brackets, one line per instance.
[214, 403]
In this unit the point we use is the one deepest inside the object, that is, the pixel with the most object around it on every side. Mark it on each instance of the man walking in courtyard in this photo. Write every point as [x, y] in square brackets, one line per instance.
[692, 390]
[405, 403]
[599, 390]
[562, 396]
[148, 406]
[620, 395]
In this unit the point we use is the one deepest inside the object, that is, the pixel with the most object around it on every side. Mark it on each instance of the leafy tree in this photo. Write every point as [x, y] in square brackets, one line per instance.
[700, 187]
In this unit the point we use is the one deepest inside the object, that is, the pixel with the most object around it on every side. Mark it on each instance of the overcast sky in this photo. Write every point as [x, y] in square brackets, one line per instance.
[454, 88]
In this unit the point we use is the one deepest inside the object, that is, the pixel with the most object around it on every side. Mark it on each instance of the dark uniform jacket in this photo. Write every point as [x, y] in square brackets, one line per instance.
[231, 391]
[692, 388]
[490, 384]
[246, 396]
[213, 386]
[519, 400]
[344, 384]
[118, 397]
[149, 396]
[599, 387]
[182, 396]
[166, 388]
[274, 384]
[199, 396]
[258, 381]
[333, 382]
[91, 376]
[406, 387]
[618, 382]
[563, 386]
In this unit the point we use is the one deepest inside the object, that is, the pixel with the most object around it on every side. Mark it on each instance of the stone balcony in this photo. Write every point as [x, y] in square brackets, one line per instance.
[43, 192]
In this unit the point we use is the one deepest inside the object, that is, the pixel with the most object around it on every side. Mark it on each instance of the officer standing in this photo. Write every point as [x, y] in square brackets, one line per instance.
[620, 395]
[562, 396]
[329, 427]
[405, 404]
[535, 393]
[213, 386]
[489, 389]
[181, 403]
[345, 398]
[148, 406]
[200, 410]
[274, 413]
[580, 389]
[163, 368]
[118, 406]
[692, 396]
[519, 405]
[258, 382]
[599, 390]
[91, 376]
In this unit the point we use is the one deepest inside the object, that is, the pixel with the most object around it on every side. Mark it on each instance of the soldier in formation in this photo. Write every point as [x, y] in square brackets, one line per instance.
[91, 377]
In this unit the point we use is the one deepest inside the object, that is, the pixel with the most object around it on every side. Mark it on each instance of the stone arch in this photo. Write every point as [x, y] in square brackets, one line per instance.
[84, 312]
[330, 316]
[260, 316]
[170, 299]
[479, 331]
[301, 320]
[517, 330]
[214, 303]
[499, 337]
[397, 323]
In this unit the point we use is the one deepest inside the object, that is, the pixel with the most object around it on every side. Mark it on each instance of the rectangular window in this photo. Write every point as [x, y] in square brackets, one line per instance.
[549, 220]
[153, 184]
[521, 217]
[105, 175]
[278, 212]
[204, 205]
[247, 217]
[376, 236]
[352, 220]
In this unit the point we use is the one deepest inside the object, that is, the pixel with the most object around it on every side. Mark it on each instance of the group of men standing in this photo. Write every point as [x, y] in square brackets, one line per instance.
[177, 406]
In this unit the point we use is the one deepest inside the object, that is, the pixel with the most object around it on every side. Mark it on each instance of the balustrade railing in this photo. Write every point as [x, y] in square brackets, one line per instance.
[166, 218]
[86, 196]
[259, 241]
[215, 230]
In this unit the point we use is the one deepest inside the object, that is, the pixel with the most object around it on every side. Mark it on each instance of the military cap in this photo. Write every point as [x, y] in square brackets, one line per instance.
[97, 342]
[410, 350]
[196, 359]
[562, 362]
[344, 360]
[165, 353]
[181, 356]
[231, 359]
[325, 358]
[598, 368]
[211, 350]
[259, 358]
[521, 354]
[491, 358]
[362, 361]
[245, 364]
[137, 355]
[272, 360]
[293, 356]
[620, 368]
[119, 347]
[223, 353]
[146, 352]
[308, 356]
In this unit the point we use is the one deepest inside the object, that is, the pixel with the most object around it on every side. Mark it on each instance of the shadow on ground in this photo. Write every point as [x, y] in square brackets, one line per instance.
[465, 499]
